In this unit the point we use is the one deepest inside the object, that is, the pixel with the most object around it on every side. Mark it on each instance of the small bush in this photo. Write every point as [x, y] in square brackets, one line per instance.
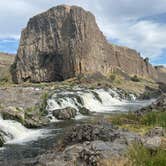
[135, 78]
[113, 77]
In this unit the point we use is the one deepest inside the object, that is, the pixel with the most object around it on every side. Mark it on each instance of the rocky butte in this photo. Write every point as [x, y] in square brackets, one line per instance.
[66, 41]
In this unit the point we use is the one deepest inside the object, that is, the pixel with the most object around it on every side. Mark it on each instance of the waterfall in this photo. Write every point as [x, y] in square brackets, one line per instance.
[96, 100]
[15, 132]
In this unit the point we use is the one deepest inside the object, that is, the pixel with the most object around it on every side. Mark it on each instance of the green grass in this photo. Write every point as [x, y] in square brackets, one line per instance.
[140, 156]
[154, 119]
[150, 119]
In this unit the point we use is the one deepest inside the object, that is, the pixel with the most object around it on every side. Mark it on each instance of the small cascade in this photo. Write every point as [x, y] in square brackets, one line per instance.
[96, 100]
[15, 132]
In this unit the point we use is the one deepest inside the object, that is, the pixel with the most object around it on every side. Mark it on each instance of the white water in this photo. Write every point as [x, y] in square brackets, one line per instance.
[98, 100]
[15, 132]
[112, 100]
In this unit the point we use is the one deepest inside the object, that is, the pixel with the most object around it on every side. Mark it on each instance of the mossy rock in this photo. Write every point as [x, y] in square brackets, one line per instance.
[12, 113]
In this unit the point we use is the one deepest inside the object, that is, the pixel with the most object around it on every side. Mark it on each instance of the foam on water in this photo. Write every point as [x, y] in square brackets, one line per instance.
[96, 100]
[15, 132]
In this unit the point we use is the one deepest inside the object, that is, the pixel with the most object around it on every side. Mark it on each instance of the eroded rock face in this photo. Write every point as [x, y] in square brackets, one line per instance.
[66, 41]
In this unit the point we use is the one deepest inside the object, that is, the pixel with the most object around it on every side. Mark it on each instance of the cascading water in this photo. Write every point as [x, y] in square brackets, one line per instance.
[38, 140]
[96, 100]
[15, 132]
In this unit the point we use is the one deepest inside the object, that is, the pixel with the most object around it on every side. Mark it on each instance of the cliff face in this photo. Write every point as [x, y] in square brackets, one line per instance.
[66, 41]
[161, 73]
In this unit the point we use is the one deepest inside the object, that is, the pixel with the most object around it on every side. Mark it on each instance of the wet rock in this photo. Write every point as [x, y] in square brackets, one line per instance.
[1, 140]
[158, 105]
[65, 114]
[29, 119]
[160, 102]
[84, 111]
[34, 119]
[12, 113]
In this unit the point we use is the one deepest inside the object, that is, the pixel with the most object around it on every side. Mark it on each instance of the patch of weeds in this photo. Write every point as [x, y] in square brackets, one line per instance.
[154, 119]
[140, 156]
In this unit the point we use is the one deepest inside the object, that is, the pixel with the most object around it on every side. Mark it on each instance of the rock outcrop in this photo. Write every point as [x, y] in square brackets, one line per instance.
[88, 145]
[66, 41]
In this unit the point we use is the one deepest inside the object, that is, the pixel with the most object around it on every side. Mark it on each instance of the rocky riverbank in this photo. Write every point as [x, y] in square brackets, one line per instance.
[98, 145]
[92, 143]
[102, 143]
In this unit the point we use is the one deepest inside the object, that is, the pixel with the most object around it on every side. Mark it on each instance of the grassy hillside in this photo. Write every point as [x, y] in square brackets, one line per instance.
[5, 62]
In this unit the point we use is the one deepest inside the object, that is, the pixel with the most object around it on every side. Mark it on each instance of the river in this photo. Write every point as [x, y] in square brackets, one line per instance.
[25, 144]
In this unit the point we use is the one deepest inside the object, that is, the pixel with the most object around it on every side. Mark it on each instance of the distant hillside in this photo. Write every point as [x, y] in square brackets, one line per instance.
[5, 62]
[6, 59]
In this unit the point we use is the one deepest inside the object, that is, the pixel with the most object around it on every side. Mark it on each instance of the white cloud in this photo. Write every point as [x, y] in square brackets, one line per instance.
[147, 37]
[120, 20]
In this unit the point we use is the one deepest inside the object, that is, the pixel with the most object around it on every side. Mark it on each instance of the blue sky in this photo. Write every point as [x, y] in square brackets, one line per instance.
[136, 24]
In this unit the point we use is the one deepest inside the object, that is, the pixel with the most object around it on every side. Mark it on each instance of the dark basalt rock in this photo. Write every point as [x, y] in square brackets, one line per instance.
[84, 111]
[64, 42]
[82, 133]
[158, 105]
[87, 145]
[1, 140]
[65, 114]
[28, 119]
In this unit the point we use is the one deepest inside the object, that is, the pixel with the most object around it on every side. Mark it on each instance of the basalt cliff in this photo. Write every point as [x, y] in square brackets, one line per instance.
[66, 41]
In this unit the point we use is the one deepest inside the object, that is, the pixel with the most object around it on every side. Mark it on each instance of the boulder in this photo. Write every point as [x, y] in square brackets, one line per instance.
[65, 114]
[151, 143]
[30, 118]
[12, 113]
[88, 132]
[160, 102]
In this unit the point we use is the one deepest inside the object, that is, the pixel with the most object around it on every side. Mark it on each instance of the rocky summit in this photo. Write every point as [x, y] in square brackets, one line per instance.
[65, 41]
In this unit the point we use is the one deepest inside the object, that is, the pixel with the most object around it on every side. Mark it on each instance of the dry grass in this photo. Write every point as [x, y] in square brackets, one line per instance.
[118, 161]
[6, 59]
[5, 62]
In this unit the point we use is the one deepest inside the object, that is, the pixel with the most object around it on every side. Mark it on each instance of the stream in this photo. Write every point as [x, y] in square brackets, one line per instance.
[25, 144]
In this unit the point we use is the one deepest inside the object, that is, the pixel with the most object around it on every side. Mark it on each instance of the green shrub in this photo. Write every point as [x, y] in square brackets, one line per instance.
[113, 77]
[135, 78]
